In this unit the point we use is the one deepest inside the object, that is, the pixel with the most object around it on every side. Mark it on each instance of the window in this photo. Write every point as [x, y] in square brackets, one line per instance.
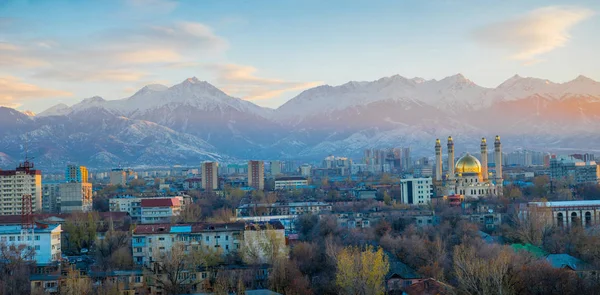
[11, 238]
[207, 238]
[161, 239]
[37, 247]
[227, 247]
[204, 275]
[37, 237]
[138, 250]
[226, 238]
[138, 279]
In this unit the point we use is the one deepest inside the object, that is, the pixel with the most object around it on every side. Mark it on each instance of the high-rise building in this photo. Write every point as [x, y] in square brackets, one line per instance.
[210, 176]
[75, 197]
[406, 160]
[563, 168]
[256, 174]
[118, 177]
[51, 197]
[24, 180]
[275, 168]
[75, 173]
[438, 160]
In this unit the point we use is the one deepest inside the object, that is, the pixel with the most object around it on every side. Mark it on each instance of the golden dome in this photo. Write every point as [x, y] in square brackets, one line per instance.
[468, 164]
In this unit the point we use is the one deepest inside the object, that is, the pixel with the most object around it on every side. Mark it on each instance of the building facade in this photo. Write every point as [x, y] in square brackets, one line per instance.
[75, 173]
[51, 197]
[256, 174]
[75, 197]
[289, 183]
[118, 176]
[563, 213]
[416, 191]
[275, 209]
[45, 240]
[570, 168]
[210, 176]
[24, 180]
[159, 209]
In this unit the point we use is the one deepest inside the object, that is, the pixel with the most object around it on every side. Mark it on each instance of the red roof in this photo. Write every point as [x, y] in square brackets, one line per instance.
[170, 202]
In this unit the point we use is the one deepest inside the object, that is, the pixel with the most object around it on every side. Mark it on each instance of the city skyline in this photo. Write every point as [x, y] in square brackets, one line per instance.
[269, 52]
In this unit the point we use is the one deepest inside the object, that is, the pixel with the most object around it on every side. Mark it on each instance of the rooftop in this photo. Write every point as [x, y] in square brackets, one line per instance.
[166, 228]
[167, 202]
[290, 178]
[566, 203]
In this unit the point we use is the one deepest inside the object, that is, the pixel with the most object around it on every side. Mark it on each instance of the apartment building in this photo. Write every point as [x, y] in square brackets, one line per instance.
[24, 180]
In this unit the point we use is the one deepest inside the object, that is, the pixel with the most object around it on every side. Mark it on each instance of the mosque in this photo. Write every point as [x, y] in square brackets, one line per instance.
[468, 176]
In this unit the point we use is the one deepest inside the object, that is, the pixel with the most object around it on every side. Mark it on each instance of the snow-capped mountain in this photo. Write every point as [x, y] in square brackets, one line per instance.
[193, 120]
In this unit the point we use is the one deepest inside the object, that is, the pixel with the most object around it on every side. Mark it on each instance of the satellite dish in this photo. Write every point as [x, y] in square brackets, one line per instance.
[491, 210]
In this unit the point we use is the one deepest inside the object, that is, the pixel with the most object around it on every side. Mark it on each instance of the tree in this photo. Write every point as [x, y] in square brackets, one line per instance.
[361, 271]
[263, 245]
[15, 268]
[482, 275]
[76, 284]
[172, 269]
[191, 213]
[80, 230]
[386, 198]
[534, 226]
[286, 278]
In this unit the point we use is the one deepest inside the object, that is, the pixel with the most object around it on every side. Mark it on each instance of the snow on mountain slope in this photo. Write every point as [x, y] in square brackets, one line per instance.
[452, 94]
[60, 109]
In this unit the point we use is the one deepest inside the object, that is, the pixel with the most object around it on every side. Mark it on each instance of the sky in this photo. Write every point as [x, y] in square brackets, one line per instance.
[267, 52]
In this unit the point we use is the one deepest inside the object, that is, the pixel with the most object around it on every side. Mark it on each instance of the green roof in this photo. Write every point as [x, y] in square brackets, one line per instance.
[534, 250]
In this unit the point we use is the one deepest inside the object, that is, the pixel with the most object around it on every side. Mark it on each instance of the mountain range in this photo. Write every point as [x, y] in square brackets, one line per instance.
[195, 121]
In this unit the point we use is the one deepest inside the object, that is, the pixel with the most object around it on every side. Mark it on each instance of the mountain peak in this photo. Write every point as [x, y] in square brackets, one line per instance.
[28, 113]
[93, 99]
[582, 78]
[192, 80]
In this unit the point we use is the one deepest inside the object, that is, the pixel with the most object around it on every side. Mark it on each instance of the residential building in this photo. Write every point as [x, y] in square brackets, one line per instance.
[256, 174]
[275, 168]
[76, 174]
[570, 168]
[192, 183]
[292, 208]
[133, 205]
[24, 180]
[159, 209]
[305, 170]
[210, 176]
[416, 191]
[149, 241]
[75, 197]
[292, 182]
[51, 197]
[45, 240]
[118, 177]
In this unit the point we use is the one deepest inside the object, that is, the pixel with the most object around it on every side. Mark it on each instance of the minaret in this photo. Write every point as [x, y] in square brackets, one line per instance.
[450, 157]
[498, 160]
[438, 160]
[484, 159]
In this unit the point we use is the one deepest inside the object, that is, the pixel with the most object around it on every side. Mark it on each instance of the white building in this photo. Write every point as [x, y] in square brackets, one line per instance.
[305, 170]
[24, 180]
[292, 208]
[75, 197]
[45, 240]
[133, 205]
[416, 191]
[159, 209]
[288, 183]
[564, 213]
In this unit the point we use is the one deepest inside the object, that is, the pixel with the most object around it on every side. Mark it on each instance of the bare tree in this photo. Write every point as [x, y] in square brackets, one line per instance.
[16, 262]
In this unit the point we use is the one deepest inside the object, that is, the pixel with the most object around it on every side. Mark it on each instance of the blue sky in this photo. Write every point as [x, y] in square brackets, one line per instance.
[269, 51]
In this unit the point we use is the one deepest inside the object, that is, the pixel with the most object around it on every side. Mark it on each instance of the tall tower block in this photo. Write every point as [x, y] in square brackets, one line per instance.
[438, 160]
[498, 160]
[450, 157]
[484, 159]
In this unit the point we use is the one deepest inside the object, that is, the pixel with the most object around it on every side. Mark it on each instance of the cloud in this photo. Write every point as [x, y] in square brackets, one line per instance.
[149, 56]
[92, 75]
[241, 81]
[538, 32]
[13, 91]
